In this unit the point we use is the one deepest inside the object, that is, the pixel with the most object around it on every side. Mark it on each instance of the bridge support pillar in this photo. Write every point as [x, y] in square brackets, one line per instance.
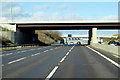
[92, 36]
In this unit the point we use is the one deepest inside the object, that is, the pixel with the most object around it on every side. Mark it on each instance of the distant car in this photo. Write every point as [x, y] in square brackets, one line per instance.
[79, 43]
[71, 43]
[117, 44]
[114, 43]
[111, 43]
[101, 42]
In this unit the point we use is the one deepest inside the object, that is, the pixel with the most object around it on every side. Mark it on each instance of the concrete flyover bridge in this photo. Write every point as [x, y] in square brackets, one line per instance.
[26, 30]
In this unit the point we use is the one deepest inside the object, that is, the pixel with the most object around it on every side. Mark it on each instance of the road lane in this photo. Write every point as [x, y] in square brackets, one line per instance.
[105, 57]
[62, 62]
[84, 63]
[36, 66]
[23, 49]
[23, 53]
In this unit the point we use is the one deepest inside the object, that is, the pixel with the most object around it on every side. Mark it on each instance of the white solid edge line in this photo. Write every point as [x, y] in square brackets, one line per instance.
[110, 60]
[16, 60]
[51, 73]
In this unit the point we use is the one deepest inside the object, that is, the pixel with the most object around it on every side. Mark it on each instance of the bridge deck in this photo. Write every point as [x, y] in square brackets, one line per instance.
[64, 26]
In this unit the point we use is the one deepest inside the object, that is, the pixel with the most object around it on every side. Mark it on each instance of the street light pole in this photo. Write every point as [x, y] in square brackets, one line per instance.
[11, 11]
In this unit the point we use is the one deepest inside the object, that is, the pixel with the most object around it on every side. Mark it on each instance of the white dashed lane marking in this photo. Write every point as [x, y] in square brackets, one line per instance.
[46, 51]
[39, 48]
[56, 67]
[33, 55]
[51, 73]
[18, 52]
[23, 51]
[32, 49]
[41, 52]
[9, 54]
[27, 56]
[63, 59]
[51, 49]
[17, 60]
[67, 53]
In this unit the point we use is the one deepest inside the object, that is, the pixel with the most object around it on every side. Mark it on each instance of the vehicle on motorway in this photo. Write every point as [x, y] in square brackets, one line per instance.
[114, 43]
[79, 43]
[101, 42]
[71, 43]
[117, 44]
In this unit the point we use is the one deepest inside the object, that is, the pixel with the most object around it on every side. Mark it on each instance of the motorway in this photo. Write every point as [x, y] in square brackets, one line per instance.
[57, 62]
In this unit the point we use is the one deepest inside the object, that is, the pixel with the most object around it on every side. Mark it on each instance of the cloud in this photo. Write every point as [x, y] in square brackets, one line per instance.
[44, 16]
[62, 7]
[56, 16]
[41, 7]
[3, 19]
[15, 10]
[40, 15]
[6, 5]
[110, 18]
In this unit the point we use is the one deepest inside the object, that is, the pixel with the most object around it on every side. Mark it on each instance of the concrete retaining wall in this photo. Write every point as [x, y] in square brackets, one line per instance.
[8, 35]
[107, 48]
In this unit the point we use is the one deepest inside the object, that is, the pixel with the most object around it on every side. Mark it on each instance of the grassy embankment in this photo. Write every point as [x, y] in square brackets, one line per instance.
[48, 37]
[117, 39]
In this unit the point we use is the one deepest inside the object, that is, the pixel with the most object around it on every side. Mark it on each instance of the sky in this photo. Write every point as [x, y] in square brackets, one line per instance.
[60, 11]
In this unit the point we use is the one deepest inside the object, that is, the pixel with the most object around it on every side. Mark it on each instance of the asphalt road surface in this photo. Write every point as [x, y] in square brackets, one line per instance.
[57, 62]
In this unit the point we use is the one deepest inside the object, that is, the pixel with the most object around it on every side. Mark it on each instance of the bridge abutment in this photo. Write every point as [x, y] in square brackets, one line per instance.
[25, 36]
